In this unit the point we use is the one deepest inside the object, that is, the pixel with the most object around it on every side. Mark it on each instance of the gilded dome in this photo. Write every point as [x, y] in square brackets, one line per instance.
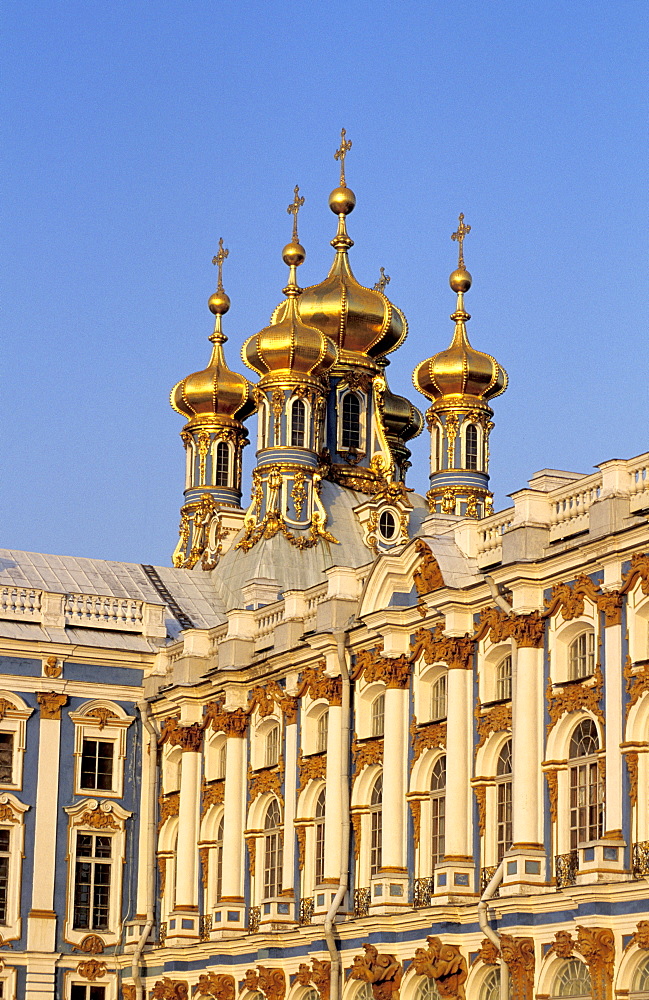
[400, 418]
[289, 346]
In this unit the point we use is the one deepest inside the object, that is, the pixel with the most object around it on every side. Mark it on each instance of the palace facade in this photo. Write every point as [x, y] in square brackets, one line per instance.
[356, 743]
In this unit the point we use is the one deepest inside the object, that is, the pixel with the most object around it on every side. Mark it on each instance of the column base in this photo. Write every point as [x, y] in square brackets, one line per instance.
[277, 913]
[228, 919]
[389, 892]
[525, 871]
[455, 877]
[182, 926]
[601, 861]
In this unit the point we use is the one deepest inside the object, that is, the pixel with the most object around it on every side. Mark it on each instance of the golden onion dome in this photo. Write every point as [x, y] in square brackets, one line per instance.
[400, 418]
[216, 391]
[460, 370]
[289, 346]
[359, 320]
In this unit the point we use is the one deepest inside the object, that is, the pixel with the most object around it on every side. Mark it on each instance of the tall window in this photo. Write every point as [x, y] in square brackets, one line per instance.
[320, 837]
[218, 861]
[378, 715]
[323, 731]
[351, 436]
[97, 765]
[573, 980]
[271, 755]
[298, 423]
[586, 791]
[222, 470]
[92, 882]
[221, 759]
[5, 840]
[641, 978]
[82, 991]
[504, 679]
[438, 699]
[272, 851]
[504, 800]
[471, 447]
[438, 811]
[263, 425]
[582, 656]
[6, 758]
[376, 826]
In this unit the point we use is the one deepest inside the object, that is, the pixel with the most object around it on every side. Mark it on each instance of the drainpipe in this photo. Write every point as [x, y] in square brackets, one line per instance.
[150, 806]
[490, 890]
[343, 884]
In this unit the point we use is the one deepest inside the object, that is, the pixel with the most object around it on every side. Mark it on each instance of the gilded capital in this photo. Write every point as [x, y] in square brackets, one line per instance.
[51, 704]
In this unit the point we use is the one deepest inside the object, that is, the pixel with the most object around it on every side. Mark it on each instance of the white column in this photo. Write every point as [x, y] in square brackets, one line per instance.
[41, 935]
[394, 779]
[527, 749]
[188, 819]
[234, 818]
[290, 794]
[333, 812]
[458, 764]
[614, 735]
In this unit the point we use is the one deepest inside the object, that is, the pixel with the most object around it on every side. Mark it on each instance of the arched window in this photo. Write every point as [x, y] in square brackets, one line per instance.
[504, 679]
[504, 800]
[438, 699]
[582, 656]
[490, 989]
[438, 811]
[351, 426]
[586, 791]
[376, 826]
[298, 423]
[271, 747]
[320, 837]
[220, 760]
[323, 730]
[641, 980]
[263, 425]
[222, 470]
[218, 861]
[272, 851]
[427, 990]
[471, 447]
[572, 980]
[378, 715]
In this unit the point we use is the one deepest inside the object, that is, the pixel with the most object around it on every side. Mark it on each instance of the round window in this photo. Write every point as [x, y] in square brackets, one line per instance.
[387, 524]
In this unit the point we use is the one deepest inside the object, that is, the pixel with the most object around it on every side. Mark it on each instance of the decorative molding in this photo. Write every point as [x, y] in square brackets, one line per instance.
[382, 972]
[267, 779]
[213, 794]
[637, 682]
[170, 989]
[250, 981]
[357, 826]
[631, 759]
[251, 844]
[52, 667]
[427, 737]
[99, 818]
[518, 953]
[310, 769]
[102, 715]
[169, 806]
[415, 809]
[575, 697]
[204, 860]
[300, 833]
[366, 752]
[264, 697]
[456, 651]
[552, 778]
[496, 719]
[92, 969]
[319, 975]
[272, 982]
[314, 681]
[92, 944]
[428, 576]
[527, 631]
[597, 945]
[641, 936]
[51, 704]
[393, 671]
[218, 985]
[639, 570]
[571, 599]
[231, 723]
[445, 964]
[162, 875]
[480, 792]
[487, 953]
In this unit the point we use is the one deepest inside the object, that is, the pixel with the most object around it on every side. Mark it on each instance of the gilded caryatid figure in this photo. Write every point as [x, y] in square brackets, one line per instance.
[216, 401]
[460, 382]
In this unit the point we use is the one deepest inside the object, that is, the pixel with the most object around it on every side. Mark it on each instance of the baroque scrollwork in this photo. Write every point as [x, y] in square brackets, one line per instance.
[575, 697]
[445, 964]
[518, 953]
[233, 723]
[382, 972]
[212, 984]
[170, 989]
[365, 753]
[272, 982]
[427, 737]
[310, 769]
[51, 704]
[314, 681]
[393, 671]
[436, 647]
[428, 576]
[496, 719]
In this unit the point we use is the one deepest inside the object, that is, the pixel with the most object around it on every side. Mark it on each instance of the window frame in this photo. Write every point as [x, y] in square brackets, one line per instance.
[361, 397]
[584, 766]
[272, 844]
[437, 798]
[504, 804]
[377, 717]
[14, 713]
[221, 447]
[299, 405]
[106, 722]
[12, 813]
[108, 981]
[375, 854]
[465, 441]
[576, 655]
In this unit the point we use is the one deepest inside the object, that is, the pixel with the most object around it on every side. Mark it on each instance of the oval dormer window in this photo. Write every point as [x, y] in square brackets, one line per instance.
[388, 525]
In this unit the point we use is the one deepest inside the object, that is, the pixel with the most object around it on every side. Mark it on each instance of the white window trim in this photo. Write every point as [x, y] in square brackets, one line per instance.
[228, 445]
[258, 748]
[307, 422]
[8, 980]
[108, 722]
[12, 817]
[362, 398]
[13, 719]
[109, 818]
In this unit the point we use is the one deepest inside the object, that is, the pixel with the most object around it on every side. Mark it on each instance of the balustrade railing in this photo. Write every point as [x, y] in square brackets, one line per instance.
[640, 860]
[306, 911]
[162, 933]
[490, 535]
[20, 602]
[104, 612]
[423, 890]
[204, 927]
[566, 867]
[362, 900]
[569, 510]
[254, 917]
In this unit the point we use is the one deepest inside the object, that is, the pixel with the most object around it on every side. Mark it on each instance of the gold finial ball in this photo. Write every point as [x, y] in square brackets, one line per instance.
[219, 303]
[460, 280]
[342, 201]
[293, 253]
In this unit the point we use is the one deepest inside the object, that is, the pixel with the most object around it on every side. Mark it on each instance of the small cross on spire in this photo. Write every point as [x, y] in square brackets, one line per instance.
[340, 154]
[460, 235]
[384, 280]
[218, 260]
[293, 209]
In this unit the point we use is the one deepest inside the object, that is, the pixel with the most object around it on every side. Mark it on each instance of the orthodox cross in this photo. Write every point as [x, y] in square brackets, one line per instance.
[293, 209]
[460, 235]
[340, 154]
[218, 260]
[384, 280]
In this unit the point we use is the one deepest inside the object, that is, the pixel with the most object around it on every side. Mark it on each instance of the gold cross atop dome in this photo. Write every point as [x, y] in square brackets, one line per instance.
[218, 260]
[340, 154]
[384, 280]
[460, 235]
[293, 209]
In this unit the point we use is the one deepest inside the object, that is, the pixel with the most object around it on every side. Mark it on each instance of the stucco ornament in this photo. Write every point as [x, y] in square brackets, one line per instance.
[563, 945]
[597, 945]
[641, 936]
[92, 969]
[518, 953]
[445, 964]
[170, 989]
[318, 975]
[383, 972]
[214, 985]
[272, 982]
[428, 576]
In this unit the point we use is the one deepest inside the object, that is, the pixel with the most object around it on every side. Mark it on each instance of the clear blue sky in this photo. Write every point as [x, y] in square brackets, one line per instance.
[135, 134]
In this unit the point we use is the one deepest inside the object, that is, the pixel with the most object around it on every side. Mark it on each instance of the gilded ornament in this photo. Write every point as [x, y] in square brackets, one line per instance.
[563, 945]
[218, 985]
[128, 991]
[265, 780]
[428, 576]
[366, 753]
[204, 860]
[251, 844]
[527, 631]
[310, 769]
[459, 236]
[575, 697]
[430, 736]
[251, 980]
[382, 972]
[102, 715]
[488, 953]
[436, 647]
[518, 953]
[99, 818]
[341, 153]
[496, 719]
[597, 945]
[571, 598]
[213, 794]
[91, 970]
[7, 814]
[51, 704]
[169, 807]
[52, 667]
[314, 681]
[639, 570]
[321, 977]
[480, 792]
[383, 281]
[641, 936]
[162, 876]
[445, 965]
[357, 826]
[170, 989]
[552, 778]
[6, 706]
[637, 682]
[91, 944]
[233, 723]
[300, 834]
[272, 982]
[393, 671]
[415, 809]
[298, 493]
